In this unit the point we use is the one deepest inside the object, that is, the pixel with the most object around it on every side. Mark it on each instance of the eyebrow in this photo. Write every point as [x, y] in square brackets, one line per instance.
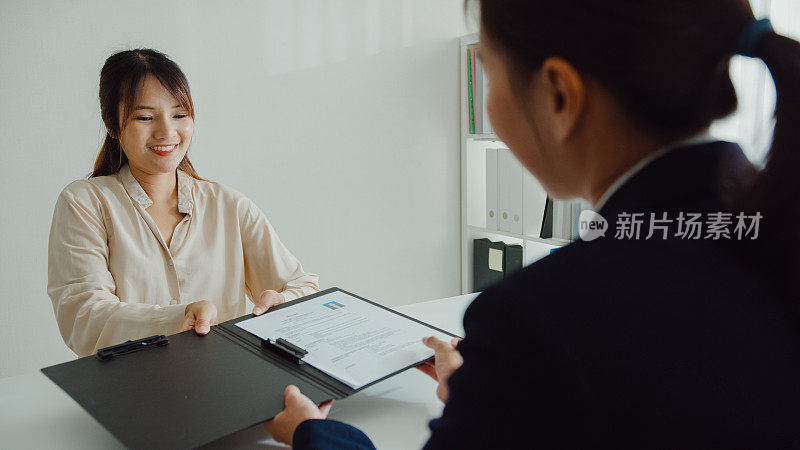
[138, 107]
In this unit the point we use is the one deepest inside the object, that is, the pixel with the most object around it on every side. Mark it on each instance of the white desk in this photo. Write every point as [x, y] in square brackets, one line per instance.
[35, 413]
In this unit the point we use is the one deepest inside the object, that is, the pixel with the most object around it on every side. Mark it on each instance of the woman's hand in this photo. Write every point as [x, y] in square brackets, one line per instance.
[298, 408]
[200, 316]
[446, 360]
[267, 300]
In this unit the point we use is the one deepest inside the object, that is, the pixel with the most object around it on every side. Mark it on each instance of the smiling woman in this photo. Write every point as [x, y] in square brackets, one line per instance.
[145, 246]
[124, 75]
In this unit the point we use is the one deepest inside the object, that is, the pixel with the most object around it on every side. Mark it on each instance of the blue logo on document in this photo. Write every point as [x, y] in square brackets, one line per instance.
[333, 305]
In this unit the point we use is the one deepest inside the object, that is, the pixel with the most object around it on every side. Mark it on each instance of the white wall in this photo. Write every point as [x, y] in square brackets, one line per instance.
[339, 118]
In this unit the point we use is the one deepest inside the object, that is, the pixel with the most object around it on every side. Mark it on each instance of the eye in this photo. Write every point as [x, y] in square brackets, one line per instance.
[143, 118]
[180, 116]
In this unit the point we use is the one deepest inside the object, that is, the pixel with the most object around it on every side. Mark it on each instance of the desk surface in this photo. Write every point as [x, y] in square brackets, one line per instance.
[35, 413]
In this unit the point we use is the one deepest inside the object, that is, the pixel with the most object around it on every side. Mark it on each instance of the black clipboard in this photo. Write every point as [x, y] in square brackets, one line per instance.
[196, 389]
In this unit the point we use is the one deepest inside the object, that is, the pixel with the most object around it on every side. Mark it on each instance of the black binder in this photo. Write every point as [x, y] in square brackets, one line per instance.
[188, 390]
[512, 260]
[547, 221]
[484, 276]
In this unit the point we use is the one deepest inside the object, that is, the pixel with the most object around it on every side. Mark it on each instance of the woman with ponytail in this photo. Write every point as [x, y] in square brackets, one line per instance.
[145, 246]
[678, 327]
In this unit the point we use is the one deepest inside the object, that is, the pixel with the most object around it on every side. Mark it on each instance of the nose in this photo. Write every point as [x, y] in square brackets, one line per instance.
[165, 128]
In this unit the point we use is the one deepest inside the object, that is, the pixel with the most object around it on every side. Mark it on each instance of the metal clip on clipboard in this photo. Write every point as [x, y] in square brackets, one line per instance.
[108, 353]
[286, 348]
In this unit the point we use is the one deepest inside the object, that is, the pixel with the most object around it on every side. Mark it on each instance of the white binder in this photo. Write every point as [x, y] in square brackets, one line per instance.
[510, 184]
[562, 219]
[491, 189]
[481, 84]
[487, 126]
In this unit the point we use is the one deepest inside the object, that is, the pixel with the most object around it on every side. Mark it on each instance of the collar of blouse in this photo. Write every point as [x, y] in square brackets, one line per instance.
[137, 193]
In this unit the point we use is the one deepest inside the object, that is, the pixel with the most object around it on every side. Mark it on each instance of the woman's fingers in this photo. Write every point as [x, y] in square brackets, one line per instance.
[431, 342]
[299, 405]
[444, 351]
[202, 325]
[267, 300]
[437, 345]
[298, 408]
[187, 324]
[205, 317]
[446, 361]
[291, 395]
[200, 316]
[295, 401]
[429, 369]
[325, 408]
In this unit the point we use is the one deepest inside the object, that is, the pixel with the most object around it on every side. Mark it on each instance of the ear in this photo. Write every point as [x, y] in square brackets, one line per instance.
[110, 133]
[565, 95]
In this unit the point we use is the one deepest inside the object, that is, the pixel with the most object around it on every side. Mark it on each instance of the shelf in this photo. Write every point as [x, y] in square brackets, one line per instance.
[473, 191]
[482, 137]
[470, 39]
[555, 242]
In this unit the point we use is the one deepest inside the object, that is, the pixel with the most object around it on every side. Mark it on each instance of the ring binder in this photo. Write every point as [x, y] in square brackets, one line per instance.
[286, 348]
[108, 353]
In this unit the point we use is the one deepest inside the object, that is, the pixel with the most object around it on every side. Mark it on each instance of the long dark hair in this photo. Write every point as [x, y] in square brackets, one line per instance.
[120, 80]
[667, 64]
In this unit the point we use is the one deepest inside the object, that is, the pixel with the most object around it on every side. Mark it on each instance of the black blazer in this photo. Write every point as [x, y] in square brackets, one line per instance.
[624, 343]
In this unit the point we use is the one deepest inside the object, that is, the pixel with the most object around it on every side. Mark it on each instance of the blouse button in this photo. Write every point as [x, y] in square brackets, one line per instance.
[170, 263]
[173, 302]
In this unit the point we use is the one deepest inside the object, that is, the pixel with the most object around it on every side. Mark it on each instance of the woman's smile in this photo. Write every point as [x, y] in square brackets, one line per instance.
[163, 150]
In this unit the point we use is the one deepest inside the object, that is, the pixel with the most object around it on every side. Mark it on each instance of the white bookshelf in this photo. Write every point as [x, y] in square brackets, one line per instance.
[473, 192]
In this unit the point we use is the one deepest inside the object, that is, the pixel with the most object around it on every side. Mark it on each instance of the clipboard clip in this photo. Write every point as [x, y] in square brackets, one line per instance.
[109, 353]
[286, 349]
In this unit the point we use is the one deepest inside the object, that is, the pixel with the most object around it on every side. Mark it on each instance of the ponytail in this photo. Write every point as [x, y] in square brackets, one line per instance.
[776, 188]
[110, 159]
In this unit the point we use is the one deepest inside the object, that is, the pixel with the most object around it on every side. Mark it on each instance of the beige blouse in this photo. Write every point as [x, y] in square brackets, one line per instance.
[111, 276]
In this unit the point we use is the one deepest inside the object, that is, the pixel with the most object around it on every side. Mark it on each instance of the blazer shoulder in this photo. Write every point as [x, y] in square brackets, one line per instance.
[554, 286]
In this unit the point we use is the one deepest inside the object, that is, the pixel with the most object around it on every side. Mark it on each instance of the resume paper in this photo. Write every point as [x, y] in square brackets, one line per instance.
[351, 340]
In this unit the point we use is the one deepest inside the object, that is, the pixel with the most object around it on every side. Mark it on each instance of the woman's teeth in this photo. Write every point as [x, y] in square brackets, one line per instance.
[163, 148]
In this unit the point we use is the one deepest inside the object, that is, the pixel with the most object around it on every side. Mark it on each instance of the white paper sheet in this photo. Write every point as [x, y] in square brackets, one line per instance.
[347, 338]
